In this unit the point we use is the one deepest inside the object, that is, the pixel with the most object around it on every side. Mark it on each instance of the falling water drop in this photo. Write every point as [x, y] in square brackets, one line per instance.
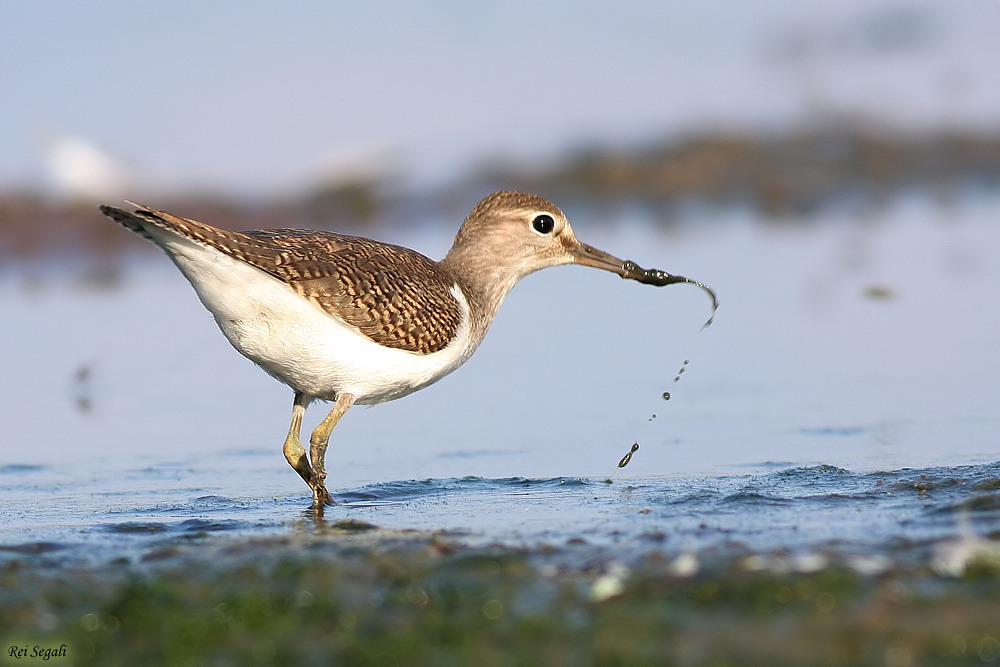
[628, 457]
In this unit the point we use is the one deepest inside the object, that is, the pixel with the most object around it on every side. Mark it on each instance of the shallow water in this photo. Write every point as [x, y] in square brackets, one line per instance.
[870, 520]
[844, 399]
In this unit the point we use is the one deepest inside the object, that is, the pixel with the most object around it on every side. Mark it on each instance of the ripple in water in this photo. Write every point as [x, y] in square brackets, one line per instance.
[895, 514]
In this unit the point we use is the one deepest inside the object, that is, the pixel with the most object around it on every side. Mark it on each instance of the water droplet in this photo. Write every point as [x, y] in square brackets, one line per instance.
[680, 371]
[628, 457]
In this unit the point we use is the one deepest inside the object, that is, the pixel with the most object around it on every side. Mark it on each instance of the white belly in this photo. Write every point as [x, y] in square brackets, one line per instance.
[297, 342]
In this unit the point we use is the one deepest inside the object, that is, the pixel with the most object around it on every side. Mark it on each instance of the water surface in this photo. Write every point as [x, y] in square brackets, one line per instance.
[845, 397]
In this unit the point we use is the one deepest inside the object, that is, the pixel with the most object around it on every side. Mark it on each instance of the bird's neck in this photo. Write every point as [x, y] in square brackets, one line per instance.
[484, 279]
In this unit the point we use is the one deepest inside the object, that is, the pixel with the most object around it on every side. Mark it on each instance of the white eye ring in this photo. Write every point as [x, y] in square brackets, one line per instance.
[543, 224]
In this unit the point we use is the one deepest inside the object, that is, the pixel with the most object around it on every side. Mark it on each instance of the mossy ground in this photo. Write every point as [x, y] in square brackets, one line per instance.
[385, 599]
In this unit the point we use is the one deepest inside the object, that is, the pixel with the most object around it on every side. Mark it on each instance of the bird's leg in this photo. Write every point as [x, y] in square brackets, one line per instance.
[295, 453]
[318, 442]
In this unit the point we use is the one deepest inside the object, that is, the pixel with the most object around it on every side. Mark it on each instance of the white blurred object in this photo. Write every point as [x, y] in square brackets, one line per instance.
[611, 583]
[81, 170]
[953, 557]
[685, 565]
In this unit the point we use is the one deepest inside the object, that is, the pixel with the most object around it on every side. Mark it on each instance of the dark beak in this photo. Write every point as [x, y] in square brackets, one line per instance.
[590, 256]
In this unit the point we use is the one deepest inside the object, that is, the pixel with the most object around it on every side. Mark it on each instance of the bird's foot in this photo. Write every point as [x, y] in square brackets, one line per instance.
[321, 497]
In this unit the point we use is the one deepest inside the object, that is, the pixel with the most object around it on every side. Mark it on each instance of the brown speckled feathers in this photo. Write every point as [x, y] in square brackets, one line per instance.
[393, 295]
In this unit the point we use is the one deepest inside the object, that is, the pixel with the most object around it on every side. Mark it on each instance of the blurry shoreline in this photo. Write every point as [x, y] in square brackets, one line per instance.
[780, 177]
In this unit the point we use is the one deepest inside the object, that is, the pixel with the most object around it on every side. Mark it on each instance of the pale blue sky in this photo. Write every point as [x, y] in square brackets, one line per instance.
[259, 96]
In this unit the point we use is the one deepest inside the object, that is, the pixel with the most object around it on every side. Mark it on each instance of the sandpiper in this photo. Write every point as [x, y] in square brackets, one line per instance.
[355, 321]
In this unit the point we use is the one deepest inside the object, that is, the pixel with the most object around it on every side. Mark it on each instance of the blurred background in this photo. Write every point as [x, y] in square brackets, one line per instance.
[832, 168]
[346, 112]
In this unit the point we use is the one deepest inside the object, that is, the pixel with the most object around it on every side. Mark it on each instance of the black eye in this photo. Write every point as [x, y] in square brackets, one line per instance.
[543, 224]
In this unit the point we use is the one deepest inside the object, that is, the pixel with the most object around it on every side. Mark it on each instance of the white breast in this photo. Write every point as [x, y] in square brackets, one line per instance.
[296, 341]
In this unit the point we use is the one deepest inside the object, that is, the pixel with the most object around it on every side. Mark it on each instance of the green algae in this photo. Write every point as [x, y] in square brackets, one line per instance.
[380, 598]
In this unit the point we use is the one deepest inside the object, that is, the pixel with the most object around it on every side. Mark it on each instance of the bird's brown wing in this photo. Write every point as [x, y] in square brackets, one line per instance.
[393, 295]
